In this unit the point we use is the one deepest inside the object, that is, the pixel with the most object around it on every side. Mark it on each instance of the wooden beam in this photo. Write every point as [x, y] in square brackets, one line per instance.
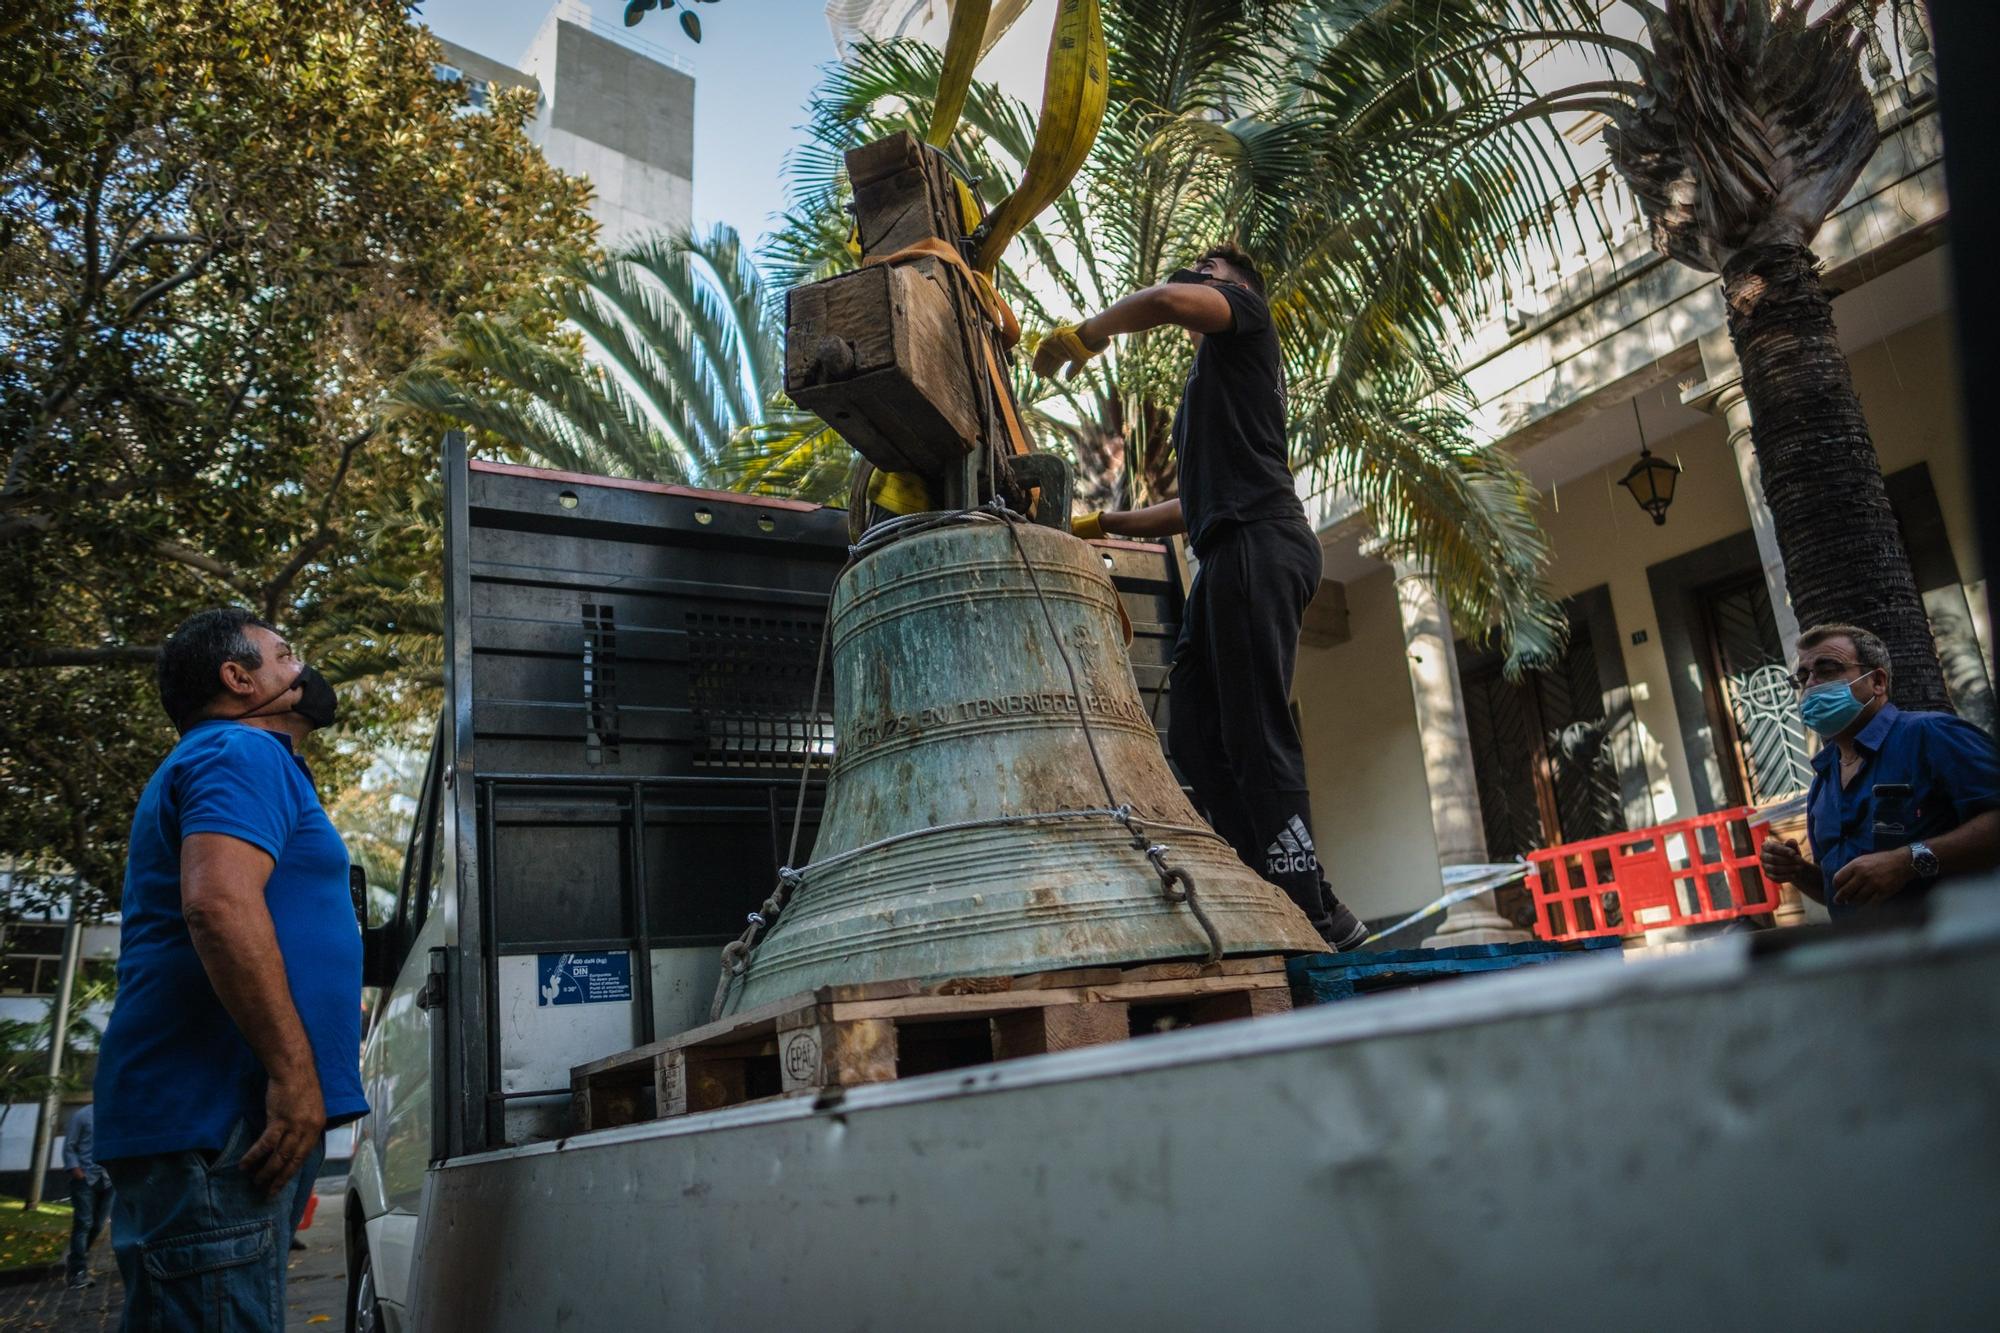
[880, 356]
[902, 194]
[1062, 1028]
[818, 1053]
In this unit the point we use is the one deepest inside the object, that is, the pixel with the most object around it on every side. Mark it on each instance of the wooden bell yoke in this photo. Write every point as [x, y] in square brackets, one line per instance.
[906, 356]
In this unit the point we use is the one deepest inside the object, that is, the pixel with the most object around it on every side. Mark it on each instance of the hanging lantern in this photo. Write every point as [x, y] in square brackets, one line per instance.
[1651, 480]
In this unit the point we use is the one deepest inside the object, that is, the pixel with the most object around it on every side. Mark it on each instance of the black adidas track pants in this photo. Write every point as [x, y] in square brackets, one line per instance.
[1230, 729]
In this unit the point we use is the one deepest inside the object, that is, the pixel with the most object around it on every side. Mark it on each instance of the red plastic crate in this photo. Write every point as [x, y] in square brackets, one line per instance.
[1677, 874]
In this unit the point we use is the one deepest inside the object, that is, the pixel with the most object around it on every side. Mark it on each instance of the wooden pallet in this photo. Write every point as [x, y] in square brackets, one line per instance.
[824, 1041]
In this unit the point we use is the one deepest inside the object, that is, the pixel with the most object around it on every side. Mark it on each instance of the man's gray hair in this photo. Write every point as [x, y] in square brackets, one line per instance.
[1869, 650]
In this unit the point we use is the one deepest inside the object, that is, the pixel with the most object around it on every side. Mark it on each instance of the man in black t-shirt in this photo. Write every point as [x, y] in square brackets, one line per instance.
[1231, 729]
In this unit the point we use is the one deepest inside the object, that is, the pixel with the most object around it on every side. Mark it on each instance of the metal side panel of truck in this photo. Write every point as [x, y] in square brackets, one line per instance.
[1787, 1130]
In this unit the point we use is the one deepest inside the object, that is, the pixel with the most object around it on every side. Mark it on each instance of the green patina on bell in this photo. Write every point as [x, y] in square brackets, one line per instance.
[957, 725]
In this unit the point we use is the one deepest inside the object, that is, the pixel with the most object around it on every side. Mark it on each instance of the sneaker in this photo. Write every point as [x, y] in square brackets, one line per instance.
[1343, 931]
[81, 1281]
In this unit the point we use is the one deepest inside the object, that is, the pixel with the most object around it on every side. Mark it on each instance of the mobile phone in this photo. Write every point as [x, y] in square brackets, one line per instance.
[1892, 813]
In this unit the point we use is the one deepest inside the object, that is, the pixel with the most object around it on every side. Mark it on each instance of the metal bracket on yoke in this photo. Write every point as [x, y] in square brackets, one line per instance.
[1051, 475]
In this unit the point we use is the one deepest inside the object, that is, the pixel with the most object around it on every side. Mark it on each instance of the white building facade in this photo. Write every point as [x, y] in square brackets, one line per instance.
[31, 953]
[1670, 702]
[611, 107]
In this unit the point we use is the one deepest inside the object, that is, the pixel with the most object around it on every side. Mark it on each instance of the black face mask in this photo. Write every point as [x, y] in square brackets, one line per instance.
[1189, 275]
[317, 702]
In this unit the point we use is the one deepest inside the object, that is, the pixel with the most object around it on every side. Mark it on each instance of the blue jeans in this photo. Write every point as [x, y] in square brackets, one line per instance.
[199, 1245]
[90, 1209]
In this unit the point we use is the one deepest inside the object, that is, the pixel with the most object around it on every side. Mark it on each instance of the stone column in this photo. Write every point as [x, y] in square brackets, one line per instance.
[1454, 793]
[1721, 395]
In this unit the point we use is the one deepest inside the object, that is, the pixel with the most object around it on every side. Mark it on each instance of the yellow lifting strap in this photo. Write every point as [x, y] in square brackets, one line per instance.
[962, 48]
[898, 492]
[1073, 99]
[995, 309]
[975, 26]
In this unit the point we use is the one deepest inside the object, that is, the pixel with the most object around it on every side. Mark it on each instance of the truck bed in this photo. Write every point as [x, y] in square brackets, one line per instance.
[1788, 1135]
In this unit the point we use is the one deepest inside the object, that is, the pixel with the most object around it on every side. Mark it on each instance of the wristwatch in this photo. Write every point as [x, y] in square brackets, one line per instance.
[1923, 860]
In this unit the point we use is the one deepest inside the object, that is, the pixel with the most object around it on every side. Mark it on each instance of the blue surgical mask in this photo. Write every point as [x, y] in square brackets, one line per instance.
[1831, 708]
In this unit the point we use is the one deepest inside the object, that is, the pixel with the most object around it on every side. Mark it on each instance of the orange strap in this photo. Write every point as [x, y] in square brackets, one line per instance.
[996, 309]
[992, 306]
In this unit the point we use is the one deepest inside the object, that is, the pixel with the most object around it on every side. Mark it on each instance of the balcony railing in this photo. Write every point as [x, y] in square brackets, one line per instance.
[1560, 257]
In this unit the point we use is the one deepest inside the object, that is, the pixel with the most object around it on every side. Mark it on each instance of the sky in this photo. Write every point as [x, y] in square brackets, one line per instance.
[757, 61]
[755, 64]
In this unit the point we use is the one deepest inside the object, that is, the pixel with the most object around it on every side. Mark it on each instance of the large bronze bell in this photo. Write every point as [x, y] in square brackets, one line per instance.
[955, 840]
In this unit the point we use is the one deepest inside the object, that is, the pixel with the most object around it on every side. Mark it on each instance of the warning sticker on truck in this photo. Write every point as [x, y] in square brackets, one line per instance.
[583, 978]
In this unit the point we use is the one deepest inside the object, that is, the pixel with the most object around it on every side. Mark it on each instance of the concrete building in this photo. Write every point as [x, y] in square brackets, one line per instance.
[1671, 700]
[611, 107]
[31, 951]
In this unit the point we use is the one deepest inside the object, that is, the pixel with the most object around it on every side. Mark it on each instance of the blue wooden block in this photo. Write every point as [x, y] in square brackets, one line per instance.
[1327, 978]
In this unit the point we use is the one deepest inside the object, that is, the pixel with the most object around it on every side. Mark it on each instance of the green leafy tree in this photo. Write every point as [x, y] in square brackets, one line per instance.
[375, 814]
[229, 226]
[669, 369]
[1376, 157]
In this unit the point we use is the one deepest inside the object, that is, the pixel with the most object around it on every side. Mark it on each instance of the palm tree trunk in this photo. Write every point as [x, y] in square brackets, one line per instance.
[1160, 473]
[1844, 555]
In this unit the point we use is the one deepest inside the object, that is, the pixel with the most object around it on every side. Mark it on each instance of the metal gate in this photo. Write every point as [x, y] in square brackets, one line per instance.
[1760, 714]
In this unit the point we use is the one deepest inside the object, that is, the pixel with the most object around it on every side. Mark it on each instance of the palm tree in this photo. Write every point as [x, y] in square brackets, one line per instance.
[665, 367]
[1749, 124]
[1377, 161]
[672, 373]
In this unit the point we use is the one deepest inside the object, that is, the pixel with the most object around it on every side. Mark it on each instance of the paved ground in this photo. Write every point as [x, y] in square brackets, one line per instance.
[315, 1287]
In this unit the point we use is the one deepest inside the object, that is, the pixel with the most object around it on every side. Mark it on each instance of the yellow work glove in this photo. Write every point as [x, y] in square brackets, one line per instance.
[1090, 527]
[1062, 346]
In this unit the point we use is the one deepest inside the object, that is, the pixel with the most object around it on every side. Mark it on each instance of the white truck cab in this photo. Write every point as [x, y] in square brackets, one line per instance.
[393, 1143]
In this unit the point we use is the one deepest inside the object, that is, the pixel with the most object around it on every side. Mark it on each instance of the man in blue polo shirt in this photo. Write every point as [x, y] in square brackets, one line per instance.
[1900, 801]
[235, 1041]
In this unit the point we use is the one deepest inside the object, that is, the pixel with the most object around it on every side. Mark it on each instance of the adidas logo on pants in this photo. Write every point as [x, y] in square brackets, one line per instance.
[1292, 852]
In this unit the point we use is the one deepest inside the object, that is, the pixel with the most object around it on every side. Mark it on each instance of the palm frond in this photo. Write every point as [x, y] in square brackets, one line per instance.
[685, 355]
[1465, 512]
[793, 454]
[640, 333]
[1375, 154]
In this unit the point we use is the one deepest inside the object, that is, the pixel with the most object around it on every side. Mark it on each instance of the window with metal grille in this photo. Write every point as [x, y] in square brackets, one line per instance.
[31, 959]
[751, 687]
[1762, 727]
